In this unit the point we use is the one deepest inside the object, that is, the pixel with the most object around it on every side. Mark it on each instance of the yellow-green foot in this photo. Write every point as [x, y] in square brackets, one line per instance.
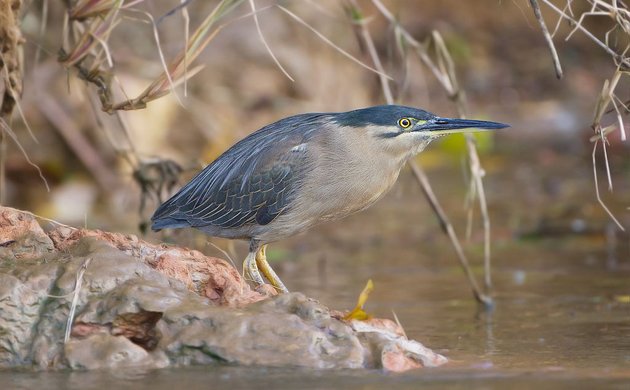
[250, 269]
[265, 268]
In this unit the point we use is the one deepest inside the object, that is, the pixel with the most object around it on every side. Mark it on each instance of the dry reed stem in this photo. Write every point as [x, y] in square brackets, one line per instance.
[42, 30]
[177, 72]
[445, 74]
[447, 66]
[548, 39]
[16, 211]
[227, 255]
[85, 9]
[186, 18]
[614, 11]
[448, 229]
[329, 42]
[6, 129]
[96, 34]
[11, 83]
[75, 139]
[264, 41]
[599, 198]
[619, 13]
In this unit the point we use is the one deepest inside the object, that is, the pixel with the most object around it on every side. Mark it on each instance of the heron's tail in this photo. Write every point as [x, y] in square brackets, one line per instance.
[164, 223]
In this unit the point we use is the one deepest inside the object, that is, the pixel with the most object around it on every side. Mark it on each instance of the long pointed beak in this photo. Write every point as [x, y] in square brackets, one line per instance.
[439, 126]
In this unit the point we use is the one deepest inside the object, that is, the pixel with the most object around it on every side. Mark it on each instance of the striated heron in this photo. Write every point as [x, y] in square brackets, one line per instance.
[300, 171]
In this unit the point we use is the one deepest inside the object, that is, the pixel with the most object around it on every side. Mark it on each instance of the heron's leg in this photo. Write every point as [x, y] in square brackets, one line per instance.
[250, 269]
[265, 268]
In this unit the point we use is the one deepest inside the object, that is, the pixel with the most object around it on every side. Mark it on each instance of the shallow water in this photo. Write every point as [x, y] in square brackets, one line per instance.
[561, 316]
[265, 378]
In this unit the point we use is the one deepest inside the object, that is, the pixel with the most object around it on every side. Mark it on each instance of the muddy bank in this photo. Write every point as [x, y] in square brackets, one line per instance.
[141, 304]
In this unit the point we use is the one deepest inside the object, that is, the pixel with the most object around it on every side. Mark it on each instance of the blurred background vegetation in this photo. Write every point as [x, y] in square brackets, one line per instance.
[111, 139]
[97, 163]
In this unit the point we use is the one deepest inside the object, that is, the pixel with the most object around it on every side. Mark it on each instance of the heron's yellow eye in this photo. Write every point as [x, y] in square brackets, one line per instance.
[404, 123]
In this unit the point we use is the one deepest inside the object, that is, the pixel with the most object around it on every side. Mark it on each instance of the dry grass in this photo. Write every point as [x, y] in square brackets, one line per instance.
[615, 42]
[86, 51]
[442, 66]
[89, 53]
[11, 75]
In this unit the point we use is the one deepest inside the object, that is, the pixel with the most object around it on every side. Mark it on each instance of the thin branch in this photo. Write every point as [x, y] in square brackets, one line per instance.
[3, 172]
[450, 232]
[227, 255]
[367, 38]
[186, 18]
[599, 199]
[42, 30]
[6, 129]
[606, 162]
[545, 31]
[264, 41]
[599, 43]
[448, 68]
[444, 72]
[329, 42]
[477, 175]
[76, 141]
[182, 5]
[42, 218]
[413, 42]
[156, 36]
[15, 96]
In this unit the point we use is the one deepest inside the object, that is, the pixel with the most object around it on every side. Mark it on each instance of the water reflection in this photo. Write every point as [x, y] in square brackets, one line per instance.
[562, 301]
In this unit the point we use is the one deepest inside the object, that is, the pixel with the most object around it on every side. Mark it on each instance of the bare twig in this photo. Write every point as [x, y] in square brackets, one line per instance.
[399, 324]
[444, 71]
[477, 176]
[252, 4]
[545, 31]
[448, 229]
[42, 30]
[329, 42]
[42, 218]
[446, 64]
[599, 199]
[6, 129]
[591, 36]
[607, 97]
[186, 18]
[76, 141]
[182, 5]
[75, 299]
[177, 72]
[3, 154]
[418, 47]
[369, 43]
[171, 84]
[227, 255]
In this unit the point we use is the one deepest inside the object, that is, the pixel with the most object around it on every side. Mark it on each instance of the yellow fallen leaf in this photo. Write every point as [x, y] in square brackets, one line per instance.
[358, 313]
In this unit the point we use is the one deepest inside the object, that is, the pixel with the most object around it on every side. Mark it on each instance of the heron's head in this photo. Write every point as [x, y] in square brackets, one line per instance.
[407, 130]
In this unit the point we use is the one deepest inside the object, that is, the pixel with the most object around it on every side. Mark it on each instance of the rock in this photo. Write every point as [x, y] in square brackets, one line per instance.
[208, 276]
[103, 350]
[154, 306]
[21, 237]
[289, 330]
[397, 352]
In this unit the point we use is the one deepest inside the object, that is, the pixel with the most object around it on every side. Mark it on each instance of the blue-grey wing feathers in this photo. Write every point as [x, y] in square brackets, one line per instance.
[251, 183]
